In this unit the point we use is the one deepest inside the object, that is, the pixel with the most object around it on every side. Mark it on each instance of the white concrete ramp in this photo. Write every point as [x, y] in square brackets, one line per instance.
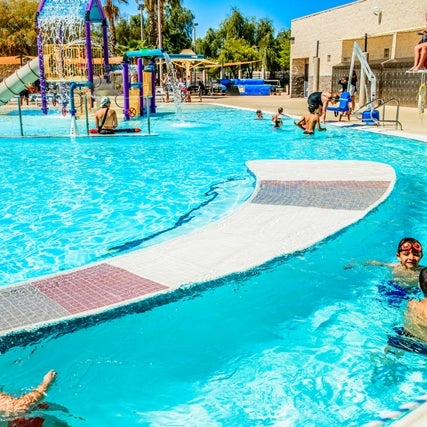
[295, 204]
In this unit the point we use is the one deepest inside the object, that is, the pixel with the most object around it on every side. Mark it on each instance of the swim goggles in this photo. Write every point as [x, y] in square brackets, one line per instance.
[407, 246]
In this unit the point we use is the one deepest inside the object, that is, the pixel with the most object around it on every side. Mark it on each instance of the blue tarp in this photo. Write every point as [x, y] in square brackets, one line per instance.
[238, 82]
[254, 89]
[247, 86]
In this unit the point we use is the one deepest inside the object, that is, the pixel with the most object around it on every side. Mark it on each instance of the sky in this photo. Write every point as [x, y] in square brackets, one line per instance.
[210, 13]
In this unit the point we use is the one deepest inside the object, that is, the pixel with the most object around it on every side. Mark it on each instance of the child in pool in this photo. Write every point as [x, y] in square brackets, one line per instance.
[11, 406]
[277, 118]
[416, 315]
[409, 253]
[259, 115]
[309, 121]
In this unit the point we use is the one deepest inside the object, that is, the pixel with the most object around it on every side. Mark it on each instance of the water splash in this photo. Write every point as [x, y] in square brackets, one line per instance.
[62, 21]
[177, 95]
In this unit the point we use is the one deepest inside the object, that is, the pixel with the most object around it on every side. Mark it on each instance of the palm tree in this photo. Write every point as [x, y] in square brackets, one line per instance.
[112, 12]
[151, 8]
[155, 9]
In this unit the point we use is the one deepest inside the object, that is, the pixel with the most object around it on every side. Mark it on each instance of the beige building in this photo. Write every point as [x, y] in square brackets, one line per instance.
[322, 47]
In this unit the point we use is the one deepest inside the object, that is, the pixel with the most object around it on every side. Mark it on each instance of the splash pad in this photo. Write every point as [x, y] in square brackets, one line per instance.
[74, 70]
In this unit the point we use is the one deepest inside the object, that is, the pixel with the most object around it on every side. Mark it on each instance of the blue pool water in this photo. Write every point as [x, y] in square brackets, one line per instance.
[299, 342]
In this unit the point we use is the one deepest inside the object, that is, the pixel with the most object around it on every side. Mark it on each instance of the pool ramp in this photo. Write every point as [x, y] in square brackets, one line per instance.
[295, 204]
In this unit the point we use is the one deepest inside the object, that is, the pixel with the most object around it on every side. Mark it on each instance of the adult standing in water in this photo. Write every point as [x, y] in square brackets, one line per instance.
[321, 100]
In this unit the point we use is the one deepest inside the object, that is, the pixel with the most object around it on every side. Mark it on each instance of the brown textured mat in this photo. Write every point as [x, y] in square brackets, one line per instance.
[95, 287]
[351, 195]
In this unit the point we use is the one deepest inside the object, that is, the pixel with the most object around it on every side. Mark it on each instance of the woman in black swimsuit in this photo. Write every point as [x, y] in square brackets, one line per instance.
[321, 100]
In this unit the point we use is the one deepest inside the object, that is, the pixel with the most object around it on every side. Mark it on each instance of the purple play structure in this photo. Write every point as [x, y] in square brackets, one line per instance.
[60, 25]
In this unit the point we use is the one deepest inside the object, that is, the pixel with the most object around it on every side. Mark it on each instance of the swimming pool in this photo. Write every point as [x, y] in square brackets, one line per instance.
[297, 342]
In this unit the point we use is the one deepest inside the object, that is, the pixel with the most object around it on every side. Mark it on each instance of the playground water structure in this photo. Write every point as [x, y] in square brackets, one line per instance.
[71, 60]
[79, 99]
[292, 342]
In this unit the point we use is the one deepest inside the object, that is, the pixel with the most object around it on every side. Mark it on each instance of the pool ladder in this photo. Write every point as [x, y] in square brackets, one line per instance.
[377, 104]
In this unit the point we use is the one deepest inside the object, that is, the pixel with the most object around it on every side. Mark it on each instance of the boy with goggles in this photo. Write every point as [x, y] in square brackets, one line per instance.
[409, 253]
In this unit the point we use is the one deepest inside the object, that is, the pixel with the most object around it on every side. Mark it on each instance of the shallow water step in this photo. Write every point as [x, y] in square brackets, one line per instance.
[295, 205]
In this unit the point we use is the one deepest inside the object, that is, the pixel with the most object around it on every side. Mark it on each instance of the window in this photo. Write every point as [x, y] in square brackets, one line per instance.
[328, 58]
[386, 53]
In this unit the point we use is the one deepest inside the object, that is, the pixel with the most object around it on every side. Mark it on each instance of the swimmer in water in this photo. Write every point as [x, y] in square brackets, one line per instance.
[409, 253]
[12, 406]
[309, 121]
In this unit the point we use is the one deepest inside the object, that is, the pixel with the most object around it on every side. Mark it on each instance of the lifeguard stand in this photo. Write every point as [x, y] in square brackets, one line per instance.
[64, 45]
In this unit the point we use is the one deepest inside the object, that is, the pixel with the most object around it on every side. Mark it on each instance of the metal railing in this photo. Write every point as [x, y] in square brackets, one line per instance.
[374, 105]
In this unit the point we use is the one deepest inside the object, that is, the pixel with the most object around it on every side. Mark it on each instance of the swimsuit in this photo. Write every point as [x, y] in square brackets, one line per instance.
[394, 294]
[406, 341]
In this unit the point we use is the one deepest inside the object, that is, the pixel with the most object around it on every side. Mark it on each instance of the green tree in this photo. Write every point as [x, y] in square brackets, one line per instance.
[266, 44]
[17, 30]
[284, 49]
[238, 50]
[176, 34]
[239, 39]
[210, 45]
[129, 35]
[177, 28]
[112, 12]
[159, 9]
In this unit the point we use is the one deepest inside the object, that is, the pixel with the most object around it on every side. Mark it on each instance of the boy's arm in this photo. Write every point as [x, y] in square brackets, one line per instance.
[380, 263]
[115, 120]
[26, 401]
[300, 123]
[320, 127]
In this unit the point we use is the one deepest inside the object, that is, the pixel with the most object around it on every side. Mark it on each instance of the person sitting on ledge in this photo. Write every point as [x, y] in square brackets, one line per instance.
[420, 53]
[106, 117]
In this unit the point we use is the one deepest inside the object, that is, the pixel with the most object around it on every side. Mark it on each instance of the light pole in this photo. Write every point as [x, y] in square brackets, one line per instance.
[141, 10]
[195, 24]
[159, 31]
